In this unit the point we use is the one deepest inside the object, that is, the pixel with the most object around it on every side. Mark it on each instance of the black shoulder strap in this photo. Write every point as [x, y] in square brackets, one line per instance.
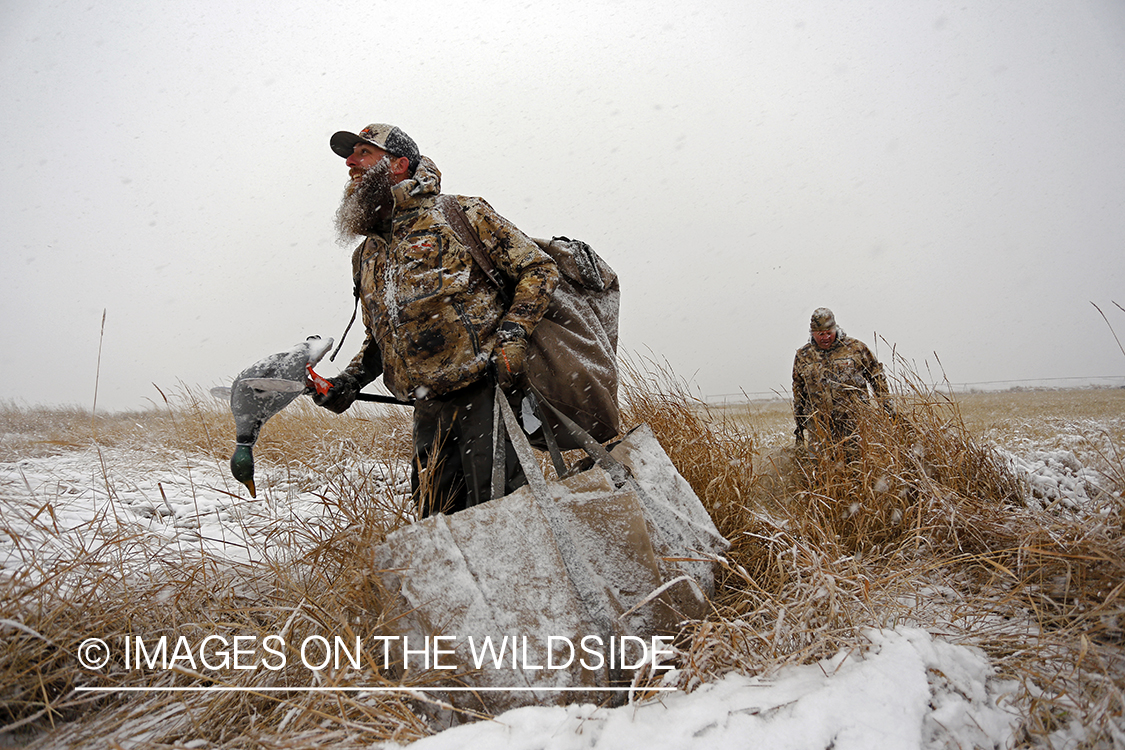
[355, 305]
[355, 309]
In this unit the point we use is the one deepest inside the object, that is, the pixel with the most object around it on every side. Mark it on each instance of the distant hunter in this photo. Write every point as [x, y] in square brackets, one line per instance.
[831, 376]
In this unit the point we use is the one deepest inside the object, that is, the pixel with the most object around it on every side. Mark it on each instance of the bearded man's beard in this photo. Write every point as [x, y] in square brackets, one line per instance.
[367, 205]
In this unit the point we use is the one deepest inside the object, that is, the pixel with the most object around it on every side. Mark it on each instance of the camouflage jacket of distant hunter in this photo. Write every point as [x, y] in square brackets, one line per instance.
[430, 312]
[832, 382]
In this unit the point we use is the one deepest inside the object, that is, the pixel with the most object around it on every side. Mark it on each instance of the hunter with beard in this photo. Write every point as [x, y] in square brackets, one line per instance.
[437, 329]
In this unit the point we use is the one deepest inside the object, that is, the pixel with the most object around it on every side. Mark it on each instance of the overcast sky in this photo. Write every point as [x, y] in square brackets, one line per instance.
[948, 177]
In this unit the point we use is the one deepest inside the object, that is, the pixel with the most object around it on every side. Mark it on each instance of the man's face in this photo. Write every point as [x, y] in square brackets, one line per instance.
[824, 339]
[365, 156]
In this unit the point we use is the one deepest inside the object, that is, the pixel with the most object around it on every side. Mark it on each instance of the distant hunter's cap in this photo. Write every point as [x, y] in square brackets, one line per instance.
[387, 137]
[822, 320]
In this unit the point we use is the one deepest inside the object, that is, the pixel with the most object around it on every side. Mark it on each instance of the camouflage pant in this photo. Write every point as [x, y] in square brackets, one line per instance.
[452, 467]
[835, 432]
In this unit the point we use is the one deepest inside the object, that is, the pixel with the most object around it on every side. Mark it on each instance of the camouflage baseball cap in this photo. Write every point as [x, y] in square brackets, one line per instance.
[822, 320]
[387, 137]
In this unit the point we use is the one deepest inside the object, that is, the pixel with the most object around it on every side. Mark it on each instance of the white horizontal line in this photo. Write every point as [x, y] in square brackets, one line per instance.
[313, 689]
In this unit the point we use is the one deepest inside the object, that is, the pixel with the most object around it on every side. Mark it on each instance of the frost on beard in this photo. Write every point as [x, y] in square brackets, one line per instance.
[367, 205]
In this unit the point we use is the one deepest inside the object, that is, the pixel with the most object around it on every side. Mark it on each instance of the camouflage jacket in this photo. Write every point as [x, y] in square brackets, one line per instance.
[430, 312]
[832, 382]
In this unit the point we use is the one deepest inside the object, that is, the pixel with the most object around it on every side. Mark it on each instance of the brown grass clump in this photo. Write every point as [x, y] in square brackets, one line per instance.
[917, 477]
[712, 454]
[917, 522]
[198, 598]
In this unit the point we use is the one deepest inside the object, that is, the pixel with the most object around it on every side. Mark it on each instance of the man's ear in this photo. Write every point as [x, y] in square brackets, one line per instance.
[400, 168]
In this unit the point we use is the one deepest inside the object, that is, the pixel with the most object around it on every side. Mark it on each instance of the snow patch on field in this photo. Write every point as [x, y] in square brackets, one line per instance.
[1050, 477]
[907, 690]
[66, 503]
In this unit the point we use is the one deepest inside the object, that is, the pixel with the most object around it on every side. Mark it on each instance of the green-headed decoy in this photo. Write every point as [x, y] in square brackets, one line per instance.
[262, 390]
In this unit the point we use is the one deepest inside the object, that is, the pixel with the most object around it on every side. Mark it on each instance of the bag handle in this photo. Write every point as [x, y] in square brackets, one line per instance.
[535, 399]
[504, 418]
[524, 451]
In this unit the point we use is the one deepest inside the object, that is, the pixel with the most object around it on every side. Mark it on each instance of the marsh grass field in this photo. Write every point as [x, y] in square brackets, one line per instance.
[988, 519]
[1008, 416]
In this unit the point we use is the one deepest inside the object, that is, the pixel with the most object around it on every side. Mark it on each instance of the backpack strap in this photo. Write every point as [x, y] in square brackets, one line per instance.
[455, 215]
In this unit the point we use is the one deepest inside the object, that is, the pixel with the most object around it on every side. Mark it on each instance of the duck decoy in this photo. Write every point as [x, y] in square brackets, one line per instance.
[262, 390]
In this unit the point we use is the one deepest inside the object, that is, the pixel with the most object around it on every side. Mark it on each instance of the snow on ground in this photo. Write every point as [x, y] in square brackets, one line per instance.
[1056, 477]
[907, 690]
[188, 502]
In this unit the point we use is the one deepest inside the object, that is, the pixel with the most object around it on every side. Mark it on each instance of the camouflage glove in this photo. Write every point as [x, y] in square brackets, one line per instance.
[341, 395]
[510, 355]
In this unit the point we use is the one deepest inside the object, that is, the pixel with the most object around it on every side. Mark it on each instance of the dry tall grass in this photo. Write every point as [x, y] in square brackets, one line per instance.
[114, 583]
[923, 526]
[920, 522]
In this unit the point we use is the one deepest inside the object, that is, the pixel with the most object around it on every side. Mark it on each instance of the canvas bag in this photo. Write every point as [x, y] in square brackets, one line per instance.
[624, 548]
[572, 354]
